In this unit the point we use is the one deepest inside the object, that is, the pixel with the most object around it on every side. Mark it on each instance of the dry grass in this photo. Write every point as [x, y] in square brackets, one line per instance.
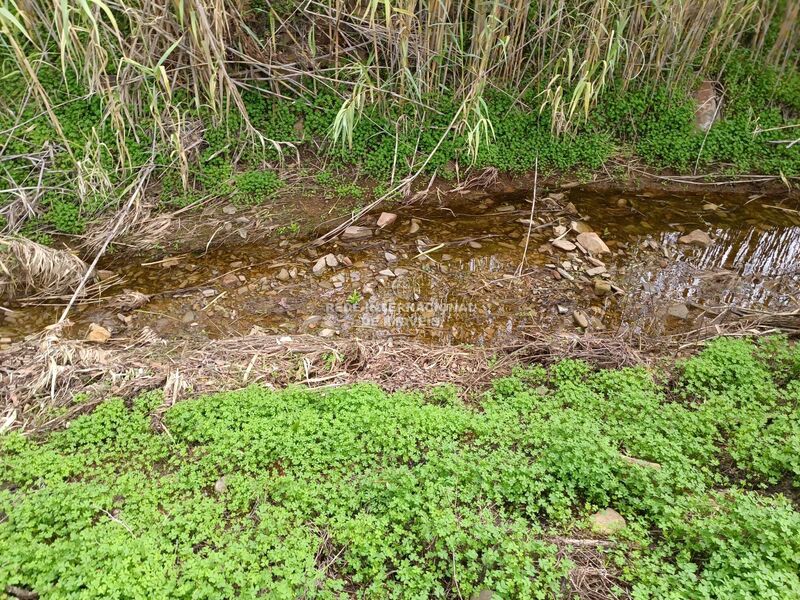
[28, 268]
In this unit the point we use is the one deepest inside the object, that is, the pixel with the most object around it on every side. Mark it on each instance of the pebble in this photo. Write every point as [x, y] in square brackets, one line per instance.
[474, 244]
[602, 287]
[331, 260]
[390, 257]
[595, 271]
[283, 275]
[580, 318]
[98, 334]
[679, 311]
[356, 232]
[592, 243]
[320, 266]
[386, 219]
[188, 317]
[607, 522]
[564, 245]
[327, 333]
[207, 293]
[414, 228]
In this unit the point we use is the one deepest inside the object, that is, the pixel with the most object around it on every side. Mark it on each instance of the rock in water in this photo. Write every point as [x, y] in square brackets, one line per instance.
[607, 522]
[98, 334]
[593, 244]
[356, 232]
[386, 219]
[696, 238]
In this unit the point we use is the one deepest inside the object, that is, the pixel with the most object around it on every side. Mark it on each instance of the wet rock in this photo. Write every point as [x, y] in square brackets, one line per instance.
[319, 266]
[356, 232]
[564, 245]
[414, 228]
[580, 318]
[602, 287]
[679, 311]
[97, 334]
[707, 106]
[696, 238]
[283, 275]
[386, 219]
[331, 260]
[390, 257]
[592, 243]
[607, 522]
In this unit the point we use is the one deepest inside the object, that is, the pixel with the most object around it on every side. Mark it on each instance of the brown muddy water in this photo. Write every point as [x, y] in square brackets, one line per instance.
[452, 274]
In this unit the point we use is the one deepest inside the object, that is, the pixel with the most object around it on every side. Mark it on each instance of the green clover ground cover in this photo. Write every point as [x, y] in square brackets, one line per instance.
[358, 493]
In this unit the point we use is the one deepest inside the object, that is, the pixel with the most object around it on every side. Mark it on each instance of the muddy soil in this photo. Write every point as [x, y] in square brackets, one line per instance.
[455, 273]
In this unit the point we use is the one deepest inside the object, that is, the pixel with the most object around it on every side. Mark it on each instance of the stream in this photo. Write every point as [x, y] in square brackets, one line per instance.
[455, 274]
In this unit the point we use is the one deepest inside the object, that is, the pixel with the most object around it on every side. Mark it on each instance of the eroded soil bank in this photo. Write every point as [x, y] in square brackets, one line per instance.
[459, 273]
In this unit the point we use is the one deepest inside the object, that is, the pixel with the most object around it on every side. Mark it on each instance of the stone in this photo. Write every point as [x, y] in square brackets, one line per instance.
[602, 287]
[580, 227]
[639, 462]
[356, 232]
[696, 238]
[595, 261]
[592, 243]
[580, 318]
[229, 209]
[474, 244]
[283, 275]
[607, 522]
[327, 333]
[595, 271]
[558, 196]
[188, 317]
[105, 274]
[386, 273]
[506, 208]
[230, 280]
[98, 334]
[559, 230]
[208, 292]
[331, 260]
[386, 219]
[679, 311]
[564, 245]
[708, 105]
[414, 228]
[390, 257]
[710, 206]
[319, 266]
[221, 485]
[562, 310]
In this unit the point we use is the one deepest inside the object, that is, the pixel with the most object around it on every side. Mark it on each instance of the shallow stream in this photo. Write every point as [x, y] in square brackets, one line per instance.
[455, 274]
